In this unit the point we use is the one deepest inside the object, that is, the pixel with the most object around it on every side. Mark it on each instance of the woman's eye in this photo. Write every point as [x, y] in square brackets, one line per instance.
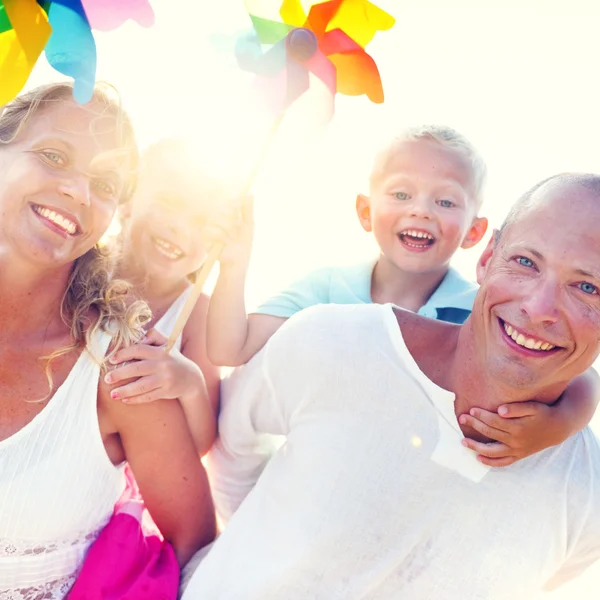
[55, 158]
[446, 203]
[588, 288]
[401, 196]
[524, 261]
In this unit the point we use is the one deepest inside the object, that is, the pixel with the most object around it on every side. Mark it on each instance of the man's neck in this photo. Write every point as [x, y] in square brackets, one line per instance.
[447, 354]
[405, 289]
[30, 298]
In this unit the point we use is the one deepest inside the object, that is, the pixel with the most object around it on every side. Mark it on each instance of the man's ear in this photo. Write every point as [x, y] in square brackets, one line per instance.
[363, 210]
[484, 259]
[476, 232]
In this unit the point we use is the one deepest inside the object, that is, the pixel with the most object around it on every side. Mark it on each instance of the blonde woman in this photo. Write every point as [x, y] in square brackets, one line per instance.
[64, 168]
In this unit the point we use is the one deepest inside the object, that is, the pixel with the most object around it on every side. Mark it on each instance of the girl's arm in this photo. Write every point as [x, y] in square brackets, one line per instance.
[157, 444]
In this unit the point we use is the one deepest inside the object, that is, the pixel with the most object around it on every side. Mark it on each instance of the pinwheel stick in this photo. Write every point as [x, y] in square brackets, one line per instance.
[217, 248]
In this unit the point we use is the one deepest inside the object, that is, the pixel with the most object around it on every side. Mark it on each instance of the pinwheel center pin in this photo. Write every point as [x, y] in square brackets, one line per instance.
[302, 44]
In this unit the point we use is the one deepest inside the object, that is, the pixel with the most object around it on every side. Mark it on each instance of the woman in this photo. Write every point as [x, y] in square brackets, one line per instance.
[64, 168]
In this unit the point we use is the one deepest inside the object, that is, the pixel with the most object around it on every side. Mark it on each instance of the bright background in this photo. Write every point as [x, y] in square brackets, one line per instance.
[518, 77]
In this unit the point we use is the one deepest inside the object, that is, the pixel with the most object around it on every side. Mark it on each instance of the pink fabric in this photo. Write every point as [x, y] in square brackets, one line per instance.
[129, 560]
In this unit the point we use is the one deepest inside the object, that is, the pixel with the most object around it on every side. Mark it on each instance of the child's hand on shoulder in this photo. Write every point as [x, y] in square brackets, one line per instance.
[147, 372]
[520, 430]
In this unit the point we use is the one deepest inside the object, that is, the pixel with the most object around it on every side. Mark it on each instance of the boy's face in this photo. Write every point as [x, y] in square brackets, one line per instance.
[422, 207]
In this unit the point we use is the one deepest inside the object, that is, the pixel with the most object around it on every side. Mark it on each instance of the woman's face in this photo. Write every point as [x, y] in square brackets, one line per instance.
[61, 182]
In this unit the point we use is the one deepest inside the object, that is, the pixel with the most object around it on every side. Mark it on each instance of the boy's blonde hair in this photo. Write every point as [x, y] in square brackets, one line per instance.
[443, 135]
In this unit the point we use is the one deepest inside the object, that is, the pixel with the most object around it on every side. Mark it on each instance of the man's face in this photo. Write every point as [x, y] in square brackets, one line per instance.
[537, 315]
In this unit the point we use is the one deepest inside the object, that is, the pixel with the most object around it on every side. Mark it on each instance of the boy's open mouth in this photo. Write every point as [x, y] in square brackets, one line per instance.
[416, 239]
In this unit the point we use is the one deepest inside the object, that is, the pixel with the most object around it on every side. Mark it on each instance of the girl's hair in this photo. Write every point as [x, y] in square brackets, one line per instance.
[93, 300]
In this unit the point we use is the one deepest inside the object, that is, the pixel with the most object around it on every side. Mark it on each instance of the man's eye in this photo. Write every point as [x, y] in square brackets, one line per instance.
[446, 203]
[401, 196]
[588, 288]
[523, 260]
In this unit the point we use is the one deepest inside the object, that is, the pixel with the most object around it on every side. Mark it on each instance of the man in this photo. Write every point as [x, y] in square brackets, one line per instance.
[373, 495]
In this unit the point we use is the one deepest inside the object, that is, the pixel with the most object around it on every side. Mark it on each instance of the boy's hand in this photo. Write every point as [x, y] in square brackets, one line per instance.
[152, 374]
[233, 226]
[521, 429]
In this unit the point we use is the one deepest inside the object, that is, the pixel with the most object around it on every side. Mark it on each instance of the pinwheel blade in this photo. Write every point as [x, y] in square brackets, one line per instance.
[360, 19]
[292, 13]
[357, 74]
[270, 32]
[23, 35]
[324, 69]
[298, 80]
[71, 49]
[105, 15]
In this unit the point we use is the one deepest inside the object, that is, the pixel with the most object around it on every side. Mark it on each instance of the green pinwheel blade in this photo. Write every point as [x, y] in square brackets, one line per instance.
[270, 32]
[5, 24]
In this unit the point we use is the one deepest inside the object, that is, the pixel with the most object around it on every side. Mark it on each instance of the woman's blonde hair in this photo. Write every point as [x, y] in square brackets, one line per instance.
[93, 300]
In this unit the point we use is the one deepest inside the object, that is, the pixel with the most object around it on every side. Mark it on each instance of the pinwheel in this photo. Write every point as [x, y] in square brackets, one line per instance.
[63, 29]
[328, 43]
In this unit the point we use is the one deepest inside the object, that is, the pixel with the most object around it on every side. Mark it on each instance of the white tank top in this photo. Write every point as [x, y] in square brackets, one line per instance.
[58, 488]
[166, 323]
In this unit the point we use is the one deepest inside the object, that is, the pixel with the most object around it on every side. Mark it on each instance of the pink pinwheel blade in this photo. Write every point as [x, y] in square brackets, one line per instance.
[105, 15]
[323, 68]
[298, 80]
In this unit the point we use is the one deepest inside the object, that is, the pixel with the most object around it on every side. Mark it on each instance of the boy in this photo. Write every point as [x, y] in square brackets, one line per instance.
[423, 204]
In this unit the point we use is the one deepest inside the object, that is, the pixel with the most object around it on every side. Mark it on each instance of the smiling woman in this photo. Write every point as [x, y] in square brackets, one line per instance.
[64, 169]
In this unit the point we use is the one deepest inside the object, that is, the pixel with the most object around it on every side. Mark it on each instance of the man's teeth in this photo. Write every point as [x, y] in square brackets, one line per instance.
[167, 249]
[57, 219]
[417, 234]
[527, 342]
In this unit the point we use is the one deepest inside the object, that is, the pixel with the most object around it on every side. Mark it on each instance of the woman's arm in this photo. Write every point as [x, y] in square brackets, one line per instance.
[156, 442]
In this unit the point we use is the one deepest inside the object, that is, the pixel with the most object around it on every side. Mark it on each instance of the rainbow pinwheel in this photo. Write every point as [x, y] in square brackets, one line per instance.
[61, 28]
[328, 42]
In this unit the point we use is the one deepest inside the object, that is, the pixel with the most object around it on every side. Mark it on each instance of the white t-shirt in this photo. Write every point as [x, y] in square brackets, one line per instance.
[372, 496]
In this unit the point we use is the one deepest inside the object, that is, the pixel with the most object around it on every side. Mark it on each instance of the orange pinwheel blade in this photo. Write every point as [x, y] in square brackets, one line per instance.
[360, 19]
[21, 46]
[357, 74]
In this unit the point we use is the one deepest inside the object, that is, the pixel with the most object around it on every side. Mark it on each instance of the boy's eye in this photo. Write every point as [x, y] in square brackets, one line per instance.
[588, 288]
[446, 203]
[401, 196]
[524, 261]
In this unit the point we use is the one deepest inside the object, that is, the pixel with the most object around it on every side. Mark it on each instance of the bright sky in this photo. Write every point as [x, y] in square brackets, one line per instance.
[517, 77]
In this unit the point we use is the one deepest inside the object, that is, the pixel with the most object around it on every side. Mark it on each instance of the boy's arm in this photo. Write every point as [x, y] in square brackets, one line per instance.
[233, 336]
[524, 428]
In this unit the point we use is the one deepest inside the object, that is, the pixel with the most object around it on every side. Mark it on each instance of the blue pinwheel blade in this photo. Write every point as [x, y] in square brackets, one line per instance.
[71, 49]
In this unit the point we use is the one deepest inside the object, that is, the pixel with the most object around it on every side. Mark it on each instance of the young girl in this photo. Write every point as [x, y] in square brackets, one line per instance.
[161, 251]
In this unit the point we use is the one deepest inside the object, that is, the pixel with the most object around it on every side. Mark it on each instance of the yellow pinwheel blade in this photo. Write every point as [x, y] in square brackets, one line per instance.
[292, 13]
[361, 20]
[21, 46]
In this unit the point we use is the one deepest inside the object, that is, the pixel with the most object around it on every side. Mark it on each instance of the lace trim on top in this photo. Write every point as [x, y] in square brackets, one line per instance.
[11, 547]
[53, 590]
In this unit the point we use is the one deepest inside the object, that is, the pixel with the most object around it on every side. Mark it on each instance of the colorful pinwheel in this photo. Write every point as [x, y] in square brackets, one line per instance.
[328, 42]
[63, 29]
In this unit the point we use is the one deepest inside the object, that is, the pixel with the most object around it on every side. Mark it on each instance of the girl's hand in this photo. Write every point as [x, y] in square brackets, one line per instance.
[520, 429]
[232, 225]
[151, 373]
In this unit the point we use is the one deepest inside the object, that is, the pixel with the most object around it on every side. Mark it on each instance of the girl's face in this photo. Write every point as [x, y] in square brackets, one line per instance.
[60, 185]
[165, 224]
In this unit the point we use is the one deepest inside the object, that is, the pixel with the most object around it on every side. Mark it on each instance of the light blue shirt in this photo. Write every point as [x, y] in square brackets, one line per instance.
[452, 300]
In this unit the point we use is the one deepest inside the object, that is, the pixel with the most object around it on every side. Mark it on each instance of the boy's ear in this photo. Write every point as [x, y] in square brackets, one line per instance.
[476, 232]
[363, 210]
[486, 255]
